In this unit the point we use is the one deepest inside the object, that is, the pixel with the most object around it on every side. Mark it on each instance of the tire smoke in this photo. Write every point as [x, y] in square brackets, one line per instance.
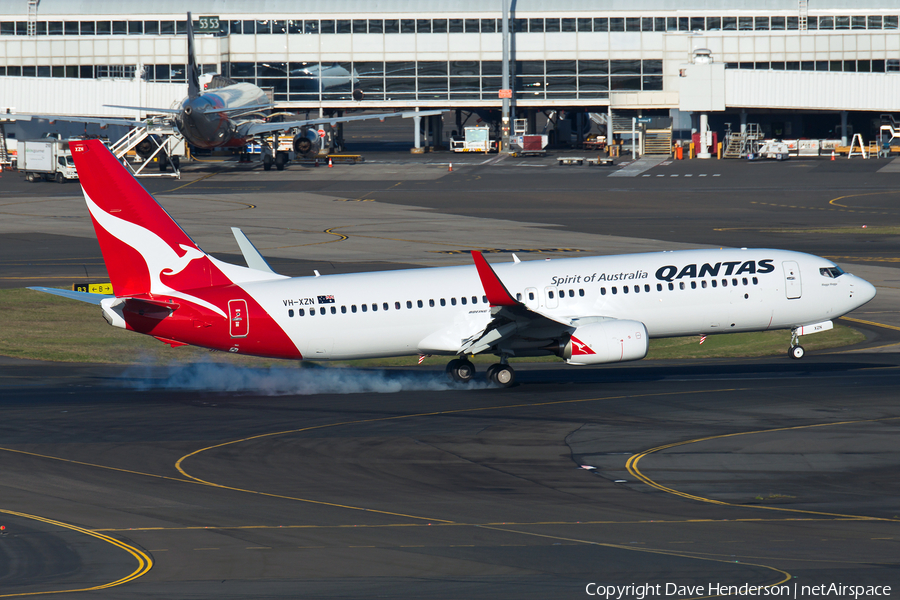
[281, 381]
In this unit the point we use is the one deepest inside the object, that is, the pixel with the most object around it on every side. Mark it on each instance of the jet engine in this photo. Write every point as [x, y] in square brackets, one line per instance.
[307, 143]
[607, 341]
[146, 147]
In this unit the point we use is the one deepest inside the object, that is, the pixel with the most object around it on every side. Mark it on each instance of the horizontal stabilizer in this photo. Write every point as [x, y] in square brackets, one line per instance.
[173, 343]
[254, 259]
[72, 295]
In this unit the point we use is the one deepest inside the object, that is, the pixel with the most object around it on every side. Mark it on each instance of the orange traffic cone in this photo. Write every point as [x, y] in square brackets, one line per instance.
[330, 166]
[450, 169]
[832, 155]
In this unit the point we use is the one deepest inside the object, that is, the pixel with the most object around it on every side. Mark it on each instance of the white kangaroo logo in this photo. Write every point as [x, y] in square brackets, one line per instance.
[581, 347]
[159, 256]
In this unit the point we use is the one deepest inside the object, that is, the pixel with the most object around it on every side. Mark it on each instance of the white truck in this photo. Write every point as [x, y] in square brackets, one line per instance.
[48, 160]
[474, 139]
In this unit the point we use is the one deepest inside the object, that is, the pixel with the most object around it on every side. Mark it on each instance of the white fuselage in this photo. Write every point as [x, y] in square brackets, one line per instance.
[672, 293]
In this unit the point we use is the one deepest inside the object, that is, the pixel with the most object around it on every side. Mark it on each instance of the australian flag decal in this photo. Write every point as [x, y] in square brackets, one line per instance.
[329, 299]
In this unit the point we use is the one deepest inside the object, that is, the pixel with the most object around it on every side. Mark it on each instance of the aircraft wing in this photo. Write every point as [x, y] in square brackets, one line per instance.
[509, 317]
[102, 121]
[253, 128]
[168, 111]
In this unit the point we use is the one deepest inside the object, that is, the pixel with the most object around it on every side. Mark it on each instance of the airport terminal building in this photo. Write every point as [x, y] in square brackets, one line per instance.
[800, 68]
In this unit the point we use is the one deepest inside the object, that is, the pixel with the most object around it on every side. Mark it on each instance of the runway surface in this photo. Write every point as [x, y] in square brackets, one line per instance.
[200, 481]
[727, 472]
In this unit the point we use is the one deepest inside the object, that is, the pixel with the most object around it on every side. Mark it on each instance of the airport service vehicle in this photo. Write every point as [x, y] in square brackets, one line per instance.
[588, 311]
[529, 144]
[474, 139]
[775, 149]
[46, 159]
[12, 153]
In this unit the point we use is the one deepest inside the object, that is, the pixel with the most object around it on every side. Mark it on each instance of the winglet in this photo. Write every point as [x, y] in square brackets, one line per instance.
[496, 292]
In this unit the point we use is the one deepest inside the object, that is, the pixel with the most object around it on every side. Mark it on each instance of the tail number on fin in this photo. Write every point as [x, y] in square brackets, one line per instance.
[238, 322]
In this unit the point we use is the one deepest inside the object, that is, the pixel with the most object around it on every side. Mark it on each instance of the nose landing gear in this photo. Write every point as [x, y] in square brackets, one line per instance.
[796, 351]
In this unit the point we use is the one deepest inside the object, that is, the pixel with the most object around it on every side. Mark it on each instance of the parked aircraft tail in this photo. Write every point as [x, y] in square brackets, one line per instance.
[193, 72]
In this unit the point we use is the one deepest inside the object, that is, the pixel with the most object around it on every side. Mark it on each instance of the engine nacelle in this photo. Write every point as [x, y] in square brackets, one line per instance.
[146, 147]
[307, 143]
[606, 342]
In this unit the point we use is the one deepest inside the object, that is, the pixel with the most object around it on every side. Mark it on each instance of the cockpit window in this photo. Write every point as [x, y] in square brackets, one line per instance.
[831, 272]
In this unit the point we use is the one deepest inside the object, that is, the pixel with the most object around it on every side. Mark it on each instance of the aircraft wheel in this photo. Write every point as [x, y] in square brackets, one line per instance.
[280, 161]
[461, 370]
[176, 162]
[796, 352]
[503, 375]
[489, 372]
[162, 165]
[451, 368]
[267, 162]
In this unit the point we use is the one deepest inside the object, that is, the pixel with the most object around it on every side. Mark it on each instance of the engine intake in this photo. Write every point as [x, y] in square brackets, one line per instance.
[606, 342]
[146, 147]
[307, 143]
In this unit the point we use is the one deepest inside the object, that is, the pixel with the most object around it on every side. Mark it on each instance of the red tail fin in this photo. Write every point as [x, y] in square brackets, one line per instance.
[140, 242]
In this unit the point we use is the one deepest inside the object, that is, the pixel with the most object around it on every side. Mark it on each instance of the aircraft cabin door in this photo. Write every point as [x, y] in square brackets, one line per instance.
[551, 297]
[531, 298]
[792, 284]
[238, 322]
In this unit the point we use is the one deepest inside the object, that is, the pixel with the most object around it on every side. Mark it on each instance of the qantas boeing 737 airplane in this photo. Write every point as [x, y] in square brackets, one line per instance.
[585, 310]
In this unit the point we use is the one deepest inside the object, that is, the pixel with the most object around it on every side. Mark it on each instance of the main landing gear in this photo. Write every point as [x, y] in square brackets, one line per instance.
[463, 371]
[796, 351]
[501, 374]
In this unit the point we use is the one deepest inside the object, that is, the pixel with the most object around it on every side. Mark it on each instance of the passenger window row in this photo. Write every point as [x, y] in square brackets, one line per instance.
[735, 282]
[561, 294]
[552, 294]
[385, 306]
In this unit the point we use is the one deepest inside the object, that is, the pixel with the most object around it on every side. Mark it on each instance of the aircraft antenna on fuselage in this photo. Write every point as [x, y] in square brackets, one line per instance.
[193, 74]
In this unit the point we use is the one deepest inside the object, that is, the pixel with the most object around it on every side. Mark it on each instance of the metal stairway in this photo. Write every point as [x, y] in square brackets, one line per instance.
[158, 140]
[733, 145]
[4, 153]
[621, 123]
[739, 145]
